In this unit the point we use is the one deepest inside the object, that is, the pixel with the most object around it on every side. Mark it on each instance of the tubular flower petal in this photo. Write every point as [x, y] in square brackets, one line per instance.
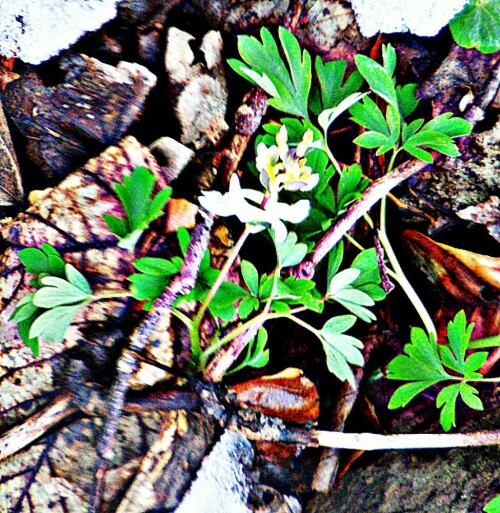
[266, 211]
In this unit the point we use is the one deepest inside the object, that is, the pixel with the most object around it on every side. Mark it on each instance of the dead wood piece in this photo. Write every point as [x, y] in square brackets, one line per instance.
[143, 336]
[247, 121]
[11, 188]
[326, 471]
[376, 191]
[92, 109]
[169, 465]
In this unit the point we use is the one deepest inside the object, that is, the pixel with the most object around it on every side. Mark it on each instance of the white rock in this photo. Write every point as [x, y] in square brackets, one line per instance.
[35, 30]
[421, 17]
[221, 485]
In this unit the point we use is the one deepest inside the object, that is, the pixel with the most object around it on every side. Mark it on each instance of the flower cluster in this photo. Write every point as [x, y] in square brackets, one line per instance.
[280, 167]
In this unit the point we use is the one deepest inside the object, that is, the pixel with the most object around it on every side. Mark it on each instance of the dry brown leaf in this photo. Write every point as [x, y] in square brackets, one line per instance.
[470, 278]
[288, 395]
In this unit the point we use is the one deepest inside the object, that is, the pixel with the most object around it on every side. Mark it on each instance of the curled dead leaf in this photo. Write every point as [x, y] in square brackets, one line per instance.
[288, 395]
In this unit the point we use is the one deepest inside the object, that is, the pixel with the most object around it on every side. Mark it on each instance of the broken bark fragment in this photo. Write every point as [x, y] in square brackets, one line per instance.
[66, 124]
[487, 213]
[11, 189]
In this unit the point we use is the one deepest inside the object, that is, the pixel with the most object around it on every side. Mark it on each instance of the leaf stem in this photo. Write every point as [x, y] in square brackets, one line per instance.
[481, 343]
[194, 329]
[406, 285]
[240, 329]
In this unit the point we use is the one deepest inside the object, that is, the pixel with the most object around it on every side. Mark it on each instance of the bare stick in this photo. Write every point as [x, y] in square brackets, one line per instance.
[127, 364]
[36, 426]
[376, 191]
[374, 442]
[326, 471]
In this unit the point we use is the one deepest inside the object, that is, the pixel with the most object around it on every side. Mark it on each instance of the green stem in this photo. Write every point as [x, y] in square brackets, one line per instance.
[222, 275]
[239, 330]
[482, 343]
[194, 331]
[399, 275]
[406, 285]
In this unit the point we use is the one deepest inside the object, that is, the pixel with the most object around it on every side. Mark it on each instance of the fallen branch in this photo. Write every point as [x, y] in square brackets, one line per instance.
[375, 192]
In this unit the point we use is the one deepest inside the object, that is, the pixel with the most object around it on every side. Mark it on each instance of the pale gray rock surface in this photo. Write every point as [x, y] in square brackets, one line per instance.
[36, 30]
[423, 18]
[222, 484]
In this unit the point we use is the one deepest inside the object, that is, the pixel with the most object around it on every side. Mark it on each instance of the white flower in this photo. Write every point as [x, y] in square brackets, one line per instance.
[267, 165]
[254, 208]
[282, 168]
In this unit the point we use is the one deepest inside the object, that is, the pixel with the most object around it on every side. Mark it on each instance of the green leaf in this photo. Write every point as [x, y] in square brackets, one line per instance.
[57, 292]
[280, 307]
[184, 238]
[24, 328]
[425, 365]
[335, 257]
[257, 356]
[458, 336]
[290, 252]
[247, 306]
[45, 260]
[448, 125]
[432, 139]
[369, 115]
[372, 140]
[158, 266]
[470, 397]
[342, 280]
[76, 278]
[250, 276]
[288, 86]
[389, 59]
[330, 76]
[493, 506]
[412, 128]
[141, 209]
[407, 99]
[378, 78]
[146, 287]
[447, 400]
[116, 225]
[341, 350]
[478, 26]
[52, 325]
[405, 393]
[350, 188]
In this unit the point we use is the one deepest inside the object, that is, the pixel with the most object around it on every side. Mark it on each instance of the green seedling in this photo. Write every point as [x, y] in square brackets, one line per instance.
[141, 208]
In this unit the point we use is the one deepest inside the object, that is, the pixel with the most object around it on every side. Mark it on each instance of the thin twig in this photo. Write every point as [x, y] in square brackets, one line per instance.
[375, 442]
[141, 337]
[37, 425]
[329, 463]
[376, 191]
